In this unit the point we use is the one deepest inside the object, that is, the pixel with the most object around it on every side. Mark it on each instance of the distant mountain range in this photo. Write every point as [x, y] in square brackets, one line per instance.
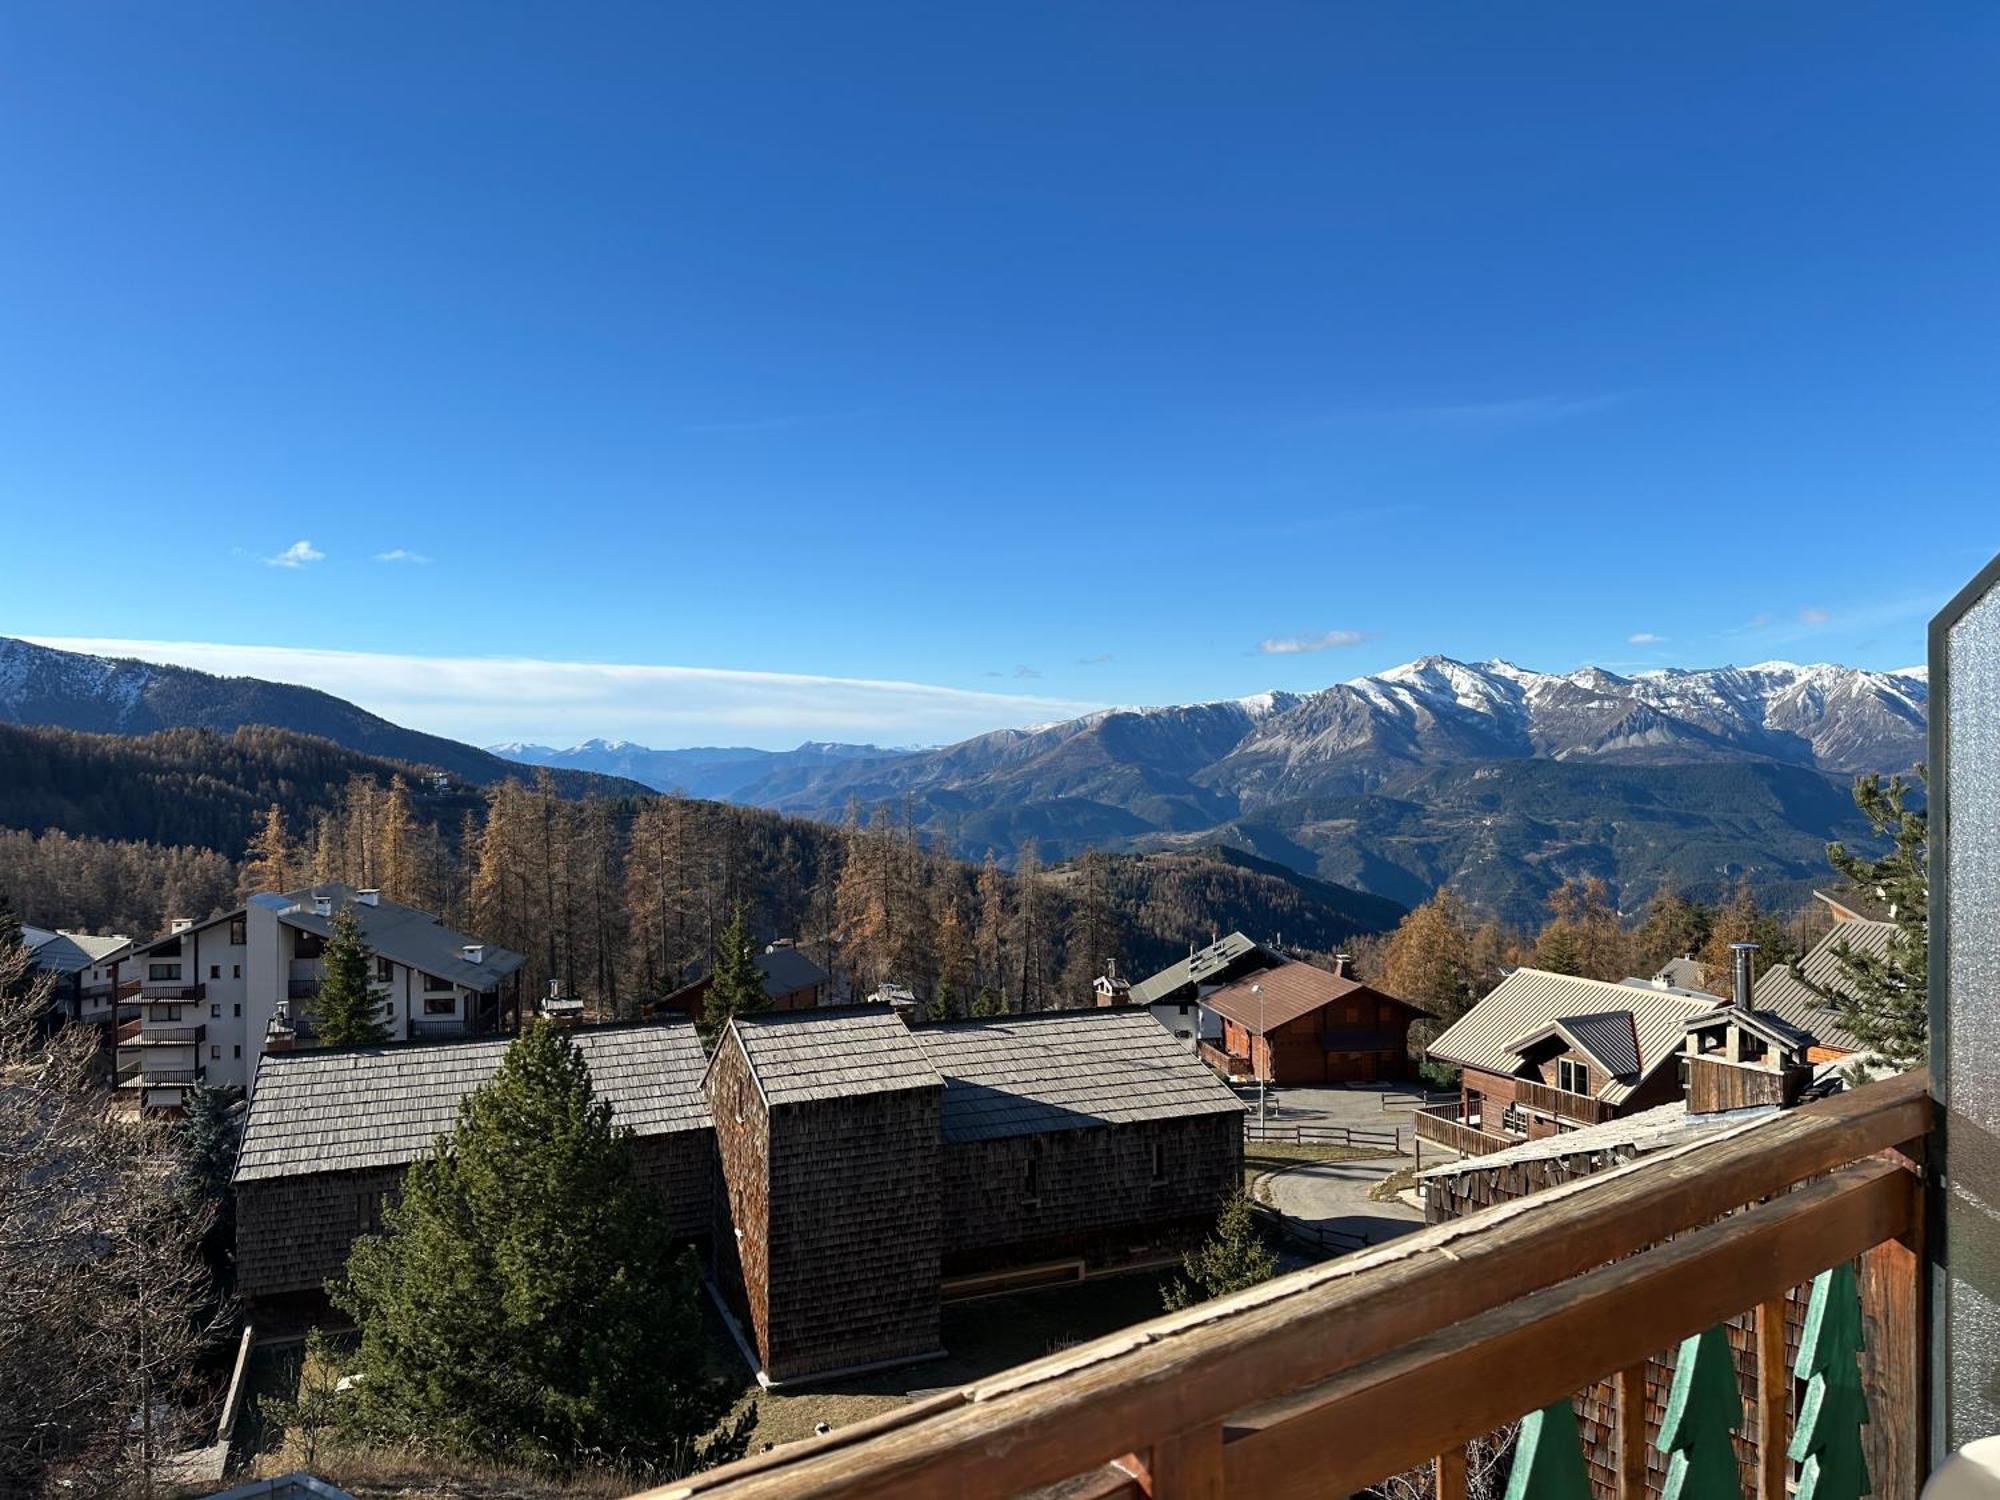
[115, 695]
[719, 772]
[1497, 779]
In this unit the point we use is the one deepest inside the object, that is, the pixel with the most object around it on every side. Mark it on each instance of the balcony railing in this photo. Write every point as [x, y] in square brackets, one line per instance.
[1578, 1107]
[1335, 1378]
[168, 991]
[146, 1076]
[1444, 1125]
[165, 1036]
[302, 989]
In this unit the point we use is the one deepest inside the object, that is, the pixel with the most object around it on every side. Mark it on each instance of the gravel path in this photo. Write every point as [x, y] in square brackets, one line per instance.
[1334, 1194]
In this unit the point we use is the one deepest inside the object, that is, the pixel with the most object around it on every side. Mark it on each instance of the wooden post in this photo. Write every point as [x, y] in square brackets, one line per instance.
[1187, 1466]
[1892, 1311]
[1448, 1471]
[1629, 1397]
[1774, 1383]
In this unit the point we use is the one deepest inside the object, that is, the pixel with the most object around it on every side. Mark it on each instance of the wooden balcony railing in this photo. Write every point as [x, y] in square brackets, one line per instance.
[1441, 1125]
[1334, 1378]
[1578, 1107]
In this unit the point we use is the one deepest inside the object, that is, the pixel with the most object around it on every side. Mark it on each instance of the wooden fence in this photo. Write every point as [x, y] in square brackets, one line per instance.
[1329, 1380]
[1318, 1133]
[1442, 1127]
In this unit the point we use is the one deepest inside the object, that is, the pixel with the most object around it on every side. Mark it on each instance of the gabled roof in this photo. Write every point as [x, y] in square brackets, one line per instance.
[784, 968]
[803, 1055]
[62, 952]
[1202, 964]
[1066, 1070]
[1772, 1028]
[1529, 1000]
[1684, 973]
[405, 935]
[343, 1109]
[1796, 997]
[1610, 1038]
[1272, 997]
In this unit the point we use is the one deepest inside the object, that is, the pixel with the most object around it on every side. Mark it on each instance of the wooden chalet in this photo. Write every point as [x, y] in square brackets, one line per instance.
[1174, 994]
[331, 1131]
[1295, 1023]
[792, 981]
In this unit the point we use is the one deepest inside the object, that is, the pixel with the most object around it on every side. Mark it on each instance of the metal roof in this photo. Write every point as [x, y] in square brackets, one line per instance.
[342, 1109]
[1066, 1070]
[1269, 998]
[1609, 1037]
[405, 935]
[1203, 963]
[803, 1055]
[1529, 1000]
[62, 952]
[1797, 997]
[1773, 1028]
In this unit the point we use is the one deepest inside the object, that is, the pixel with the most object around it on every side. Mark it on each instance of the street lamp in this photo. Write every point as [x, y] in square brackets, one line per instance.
[1263, 1072]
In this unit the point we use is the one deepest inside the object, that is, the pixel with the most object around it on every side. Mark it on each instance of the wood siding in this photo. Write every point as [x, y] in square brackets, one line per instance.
[1095, 1191]
[1358, 1039]
[293, 1233]
[1714, 1086]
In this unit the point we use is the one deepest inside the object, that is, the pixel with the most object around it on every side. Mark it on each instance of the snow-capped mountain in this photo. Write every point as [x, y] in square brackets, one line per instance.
[704, 771]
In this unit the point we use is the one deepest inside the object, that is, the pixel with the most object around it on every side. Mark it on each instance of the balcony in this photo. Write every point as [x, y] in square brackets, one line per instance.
[1332, 1379]
[1578, 1108]
[302, 989]
[168, 1035]
[168, 991]
[144, 1075]
[1446, 1125]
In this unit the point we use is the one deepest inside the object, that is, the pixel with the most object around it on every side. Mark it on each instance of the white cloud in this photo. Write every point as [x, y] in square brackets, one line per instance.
[1292, 645]
[402, 555]
[484, 699]
[1644, 638]
[1812, 615]
[297, 555]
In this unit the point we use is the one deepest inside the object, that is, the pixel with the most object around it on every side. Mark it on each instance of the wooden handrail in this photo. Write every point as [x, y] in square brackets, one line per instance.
[1240, 1359]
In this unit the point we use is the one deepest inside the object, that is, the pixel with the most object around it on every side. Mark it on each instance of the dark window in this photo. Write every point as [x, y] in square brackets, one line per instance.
[215, 971]
[166, 1013]
[237, 1010]
[446, 1005]
[215, 1052]
[310, 945]
[215, 1013]
[236, 932]
[1573, 1076]
[1159, 1163]
[236, 1051]
[385, 970]
[171, 948]
[1474, 1100]
[236, 971]
[1031, 1185]
[163, 971]
[432, 983]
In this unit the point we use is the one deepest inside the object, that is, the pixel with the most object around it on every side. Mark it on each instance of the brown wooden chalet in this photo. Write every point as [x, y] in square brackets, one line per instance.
[869, 1170]
[1298, 1024]
[331, 1131]
[792, 981]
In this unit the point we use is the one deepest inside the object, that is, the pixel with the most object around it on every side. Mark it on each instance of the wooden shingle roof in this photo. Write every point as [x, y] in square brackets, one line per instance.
[343, 1109]
[803, 1055]
[1066, 1070]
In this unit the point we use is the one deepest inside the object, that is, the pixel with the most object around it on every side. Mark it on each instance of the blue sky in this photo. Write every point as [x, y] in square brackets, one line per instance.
[953, 366]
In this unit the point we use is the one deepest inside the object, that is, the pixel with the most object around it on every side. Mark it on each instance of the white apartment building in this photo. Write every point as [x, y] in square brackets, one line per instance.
[215, 994]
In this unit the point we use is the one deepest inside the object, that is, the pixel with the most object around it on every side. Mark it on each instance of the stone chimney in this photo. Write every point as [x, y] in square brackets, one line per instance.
[180, 925]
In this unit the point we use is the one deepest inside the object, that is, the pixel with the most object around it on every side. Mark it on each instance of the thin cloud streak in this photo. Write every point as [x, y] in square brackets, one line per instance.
[1331, 640]
[1644, 638]
[403, 555]
[484, 699]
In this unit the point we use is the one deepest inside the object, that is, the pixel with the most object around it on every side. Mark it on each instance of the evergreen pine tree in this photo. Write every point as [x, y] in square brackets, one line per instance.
[1827, 1441]
[737, 988]
[1884, 999]
[1703, 1409]
[523, 1302]
[345, 1014]
[1230, 1259]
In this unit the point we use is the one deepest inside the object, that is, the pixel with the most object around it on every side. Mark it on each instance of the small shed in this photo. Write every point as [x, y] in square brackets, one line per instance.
[330, 1132]
[1300, 1024]
[827, 1232]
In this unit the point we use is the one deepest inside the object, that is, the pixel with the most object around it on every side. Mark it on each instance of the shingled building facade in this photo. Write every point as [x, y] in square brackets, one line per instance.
[330, 1133]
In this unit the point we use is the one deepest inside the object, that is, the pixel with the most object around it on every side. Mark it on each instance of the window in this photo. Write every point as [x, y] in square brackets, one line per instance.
[236, 971]
[237, 1050]
[215, 1013]
[215, 1052]
[215, 971]
[237, 1010]
[432, 984]
[440, 1005]
[1474, 1102]
[1031, 1184]
[385, 969]
[1572, 1076]
[236, 932]
[368, 1211]
[166, 1013]
[1159, 1163]
[163, 971]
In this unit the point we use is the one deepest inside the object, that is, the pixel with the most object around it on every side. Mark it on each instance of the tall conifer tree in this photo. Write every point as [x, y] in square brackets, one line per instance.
[345, 1015]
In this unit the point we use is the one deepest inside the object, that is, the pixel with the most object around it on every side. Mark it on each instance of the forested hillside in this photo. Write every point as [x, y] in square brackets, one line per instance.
[619, 899]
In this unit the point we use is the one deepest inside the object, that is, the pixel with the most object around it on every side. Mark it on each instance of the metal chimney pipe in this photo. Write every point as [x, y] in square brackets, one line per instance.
[1740, 955]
